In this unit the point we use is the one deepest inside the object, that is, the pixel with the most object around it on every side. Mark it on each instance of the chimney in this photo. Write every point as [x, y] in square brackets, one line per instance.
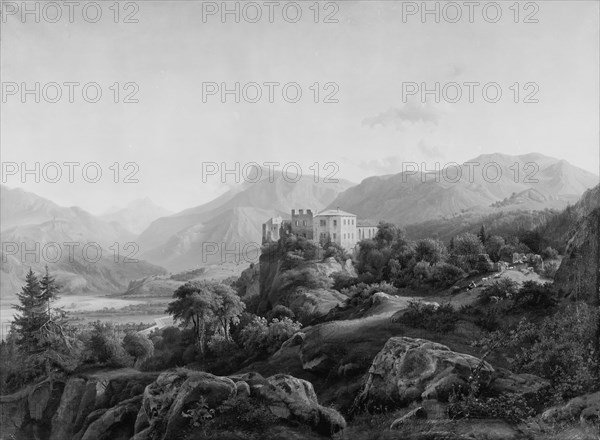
[301, 211]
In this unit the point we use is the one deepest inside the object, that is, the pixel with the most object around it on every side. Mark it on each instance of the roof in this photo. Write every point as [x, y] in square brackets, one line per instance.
[369, 223]
[334, 212]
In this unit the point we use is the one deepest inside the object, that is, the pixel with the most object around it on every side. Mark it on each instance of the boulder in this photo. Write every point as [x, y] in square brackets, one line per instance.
[295, 399]
[408, 370]
[63, 422]
[173, 393]
[116, 423]
[583, 408]
[532, 388]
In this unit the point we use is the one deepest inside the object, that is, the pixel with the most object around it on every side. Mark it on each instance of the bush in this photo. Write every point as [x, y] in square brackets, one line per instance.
[261, 337]
[534, 295]
[361, 293]
[220, 346]
[103, 346]
[438, 319]
[446, 274]
[550, 269]
[549, 253]
[561, 348]
[138, 346]
[499, 290]
[510, 407]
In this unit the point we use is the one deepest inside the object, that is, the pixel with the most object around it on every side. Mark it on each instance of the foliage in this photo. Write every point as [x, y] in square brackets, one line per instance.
[207, 305]
[510, 407]
[332, 249]
[251, 415]
[280, 311]
[493, 245]
[533, 295]
[501, 289]
[138, 346]
[549, 253]
[200, 413]
[103, 346]
[261, 337]
[361, 293]
[431, 251]
[446, 274]
[550, 269]
[438, 319]
[305, 277]
[561, 348]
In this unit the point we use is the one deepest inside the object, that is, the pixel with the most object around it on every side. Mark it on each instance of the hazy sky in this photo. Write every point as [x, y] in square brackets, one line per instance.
[368, 55]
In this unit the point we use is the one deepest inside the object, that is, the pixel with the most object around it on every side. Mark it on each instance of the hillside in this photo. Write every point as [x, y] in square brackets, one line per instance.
[29, 221]
[232, 221]
[404, 198]
[137, 215]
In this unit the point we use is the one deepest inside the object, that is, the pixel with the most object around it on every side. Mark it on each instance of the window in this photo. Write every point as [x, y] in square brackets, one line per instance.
[296, 222]
[322, 222]
[335, 223]
[304, 223]
[334, 235]
[344, 222]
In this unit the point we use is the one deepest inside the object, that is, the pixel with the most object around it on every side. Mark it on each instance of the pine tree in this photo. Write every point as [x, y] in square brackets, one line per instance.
[49, 291]
[481, 234]
[31, 314]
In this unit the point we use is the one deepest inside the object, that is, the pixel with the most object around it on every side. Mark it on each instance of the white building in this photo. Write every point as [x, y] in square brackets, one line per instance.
[336, 225]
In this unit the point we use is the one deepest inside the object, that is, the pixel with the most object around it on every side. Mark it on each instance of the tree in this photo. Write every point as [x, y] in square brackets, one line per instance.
[493, 246]
[431, 251]
[31, 314]
[138, 346]
[49, 290]
[204, 304]
[481, 235]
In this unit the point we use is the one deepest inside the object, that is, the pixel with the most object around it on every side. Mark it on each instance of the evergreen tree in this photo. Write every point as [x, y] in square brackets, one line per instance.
[481, 234]
[49, 291]
[31, 314]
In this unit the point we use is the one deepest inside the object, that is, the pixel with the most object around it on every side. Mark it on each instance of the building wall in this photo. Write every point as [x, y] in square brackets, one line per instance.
[338, 228]
[302, 223]
[366, 232]
[271, 229]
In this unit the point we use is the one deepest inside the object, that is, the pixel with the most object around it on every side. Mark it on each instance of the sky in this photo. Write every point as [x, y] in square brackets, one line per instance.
[361, 55]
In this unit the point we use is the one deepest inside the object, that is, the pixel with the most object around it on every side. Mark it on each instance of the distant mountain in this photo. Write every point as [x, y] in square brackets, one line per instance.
[58, 237]
[232, 221]
[137, 215]
[409, 198]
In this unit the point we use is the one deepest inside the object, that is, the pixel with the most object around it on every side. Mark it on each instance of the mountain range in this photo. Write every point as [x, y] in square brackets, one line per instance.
[178, 242]
[531, 181]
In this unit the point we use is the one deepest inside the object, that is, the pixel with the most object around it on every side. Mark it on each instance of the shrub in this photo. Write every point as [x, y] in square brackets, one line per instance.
[138, 346]
[549, 253]
[430, 317]
[261, 337]
[220, 346]
[561, 348]
[534, 295]
[243, 414]
[502, 289]
[550, 269]
[103, 346]
[510, 407]
[280, 311]
[446, 274]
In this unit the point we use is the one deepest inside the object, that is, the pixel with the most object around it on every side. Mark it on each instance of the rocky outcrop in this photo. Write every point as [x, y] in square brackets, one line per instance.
[304, 302]
[175, 392]
[26, 414]
[408, 370]
[579, 269]
[532, 388]
[583, 408]
[248, 284]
